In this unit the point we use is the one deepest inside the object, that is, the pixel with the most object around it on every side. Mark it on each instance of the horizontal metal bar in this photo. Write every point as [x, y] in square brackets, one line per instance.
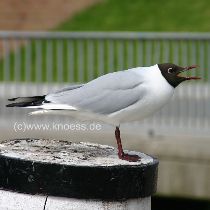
[105, 35]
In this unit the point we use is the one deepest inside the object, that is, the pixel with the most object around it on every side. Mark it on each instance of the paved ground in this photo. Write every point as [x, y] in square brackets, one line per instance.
[39, 14]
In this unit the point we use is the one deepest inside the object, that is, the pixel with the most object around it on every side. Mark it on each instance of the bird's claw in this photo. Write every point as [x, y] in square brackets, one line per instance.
[130, 158]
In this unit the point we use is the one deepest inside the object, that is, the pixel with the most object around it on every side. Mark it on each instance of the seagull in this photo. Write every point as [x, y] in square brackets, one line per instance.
[114, 98]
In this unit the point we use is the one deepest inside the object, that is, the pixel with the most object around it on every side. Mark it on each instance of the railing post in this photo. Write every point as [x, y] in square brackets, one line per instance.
[89, 176]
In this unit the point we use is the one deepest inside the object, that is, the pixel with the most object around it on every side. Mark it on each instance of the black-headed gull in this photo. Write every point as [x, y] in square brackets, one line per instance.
[114, 98]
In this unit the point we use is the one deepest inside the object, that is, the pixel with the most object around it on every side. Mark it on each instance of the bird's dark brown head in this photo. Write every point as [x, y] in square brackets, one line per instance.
[171, 72]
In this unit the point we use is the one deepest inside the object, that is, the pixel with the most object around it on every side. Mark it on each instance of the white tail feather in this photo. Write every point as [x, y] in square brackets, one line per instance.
[52, 106]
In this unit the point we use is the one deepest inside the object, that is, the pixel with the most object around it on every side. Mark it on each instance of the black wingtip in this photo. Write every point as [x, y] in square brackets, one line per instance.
[26, 101]
[10, 105]
[12, 99]
[20, 104]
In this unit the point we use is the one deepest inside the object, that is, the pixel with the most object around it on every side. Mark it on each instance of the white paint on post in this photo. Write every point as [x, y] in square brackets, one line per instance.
[56, 203]
[19, 201]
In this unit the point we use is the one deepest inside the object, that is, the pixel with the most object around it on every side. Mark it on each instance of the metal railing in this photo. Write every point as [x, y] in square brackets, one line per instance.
[77, 57]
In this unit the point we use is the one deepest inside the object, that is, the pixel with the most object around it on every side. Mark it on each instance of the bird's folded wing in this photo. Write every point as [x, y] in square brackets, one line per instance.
[71, 87]
[104, 95]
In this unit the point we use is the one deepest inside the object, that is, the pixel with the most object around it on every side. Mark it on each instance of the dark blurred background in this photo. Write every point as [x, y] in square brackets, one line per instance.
[48, 44]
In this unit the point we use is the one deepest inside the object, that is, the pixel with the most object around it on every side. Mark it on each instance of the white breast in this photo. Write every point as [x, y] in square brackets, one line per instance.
[157, 92]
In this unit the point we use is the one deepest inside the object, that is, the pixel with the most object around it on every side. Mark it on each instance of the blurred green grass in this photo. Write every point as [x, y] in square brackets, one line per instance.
[143, 15]
[109, 15]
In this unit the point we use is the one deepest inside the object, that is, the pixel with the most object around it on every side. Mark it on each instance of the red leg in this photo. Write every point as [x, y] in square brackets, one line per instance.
[121, 154]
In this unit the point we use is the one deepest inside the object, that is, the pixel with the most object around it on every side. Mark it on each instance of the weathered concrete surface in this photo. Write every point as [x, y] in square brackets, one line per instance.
[68, 153]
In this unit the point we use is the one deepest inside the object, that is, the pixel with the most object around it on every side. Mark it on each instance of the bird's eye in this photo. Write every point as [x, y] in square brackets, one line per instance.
[170, 70]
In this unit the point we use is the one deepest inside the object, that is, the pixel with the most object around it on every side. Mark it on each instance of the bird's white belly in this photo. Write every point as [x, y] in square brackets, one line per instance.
[154, 100]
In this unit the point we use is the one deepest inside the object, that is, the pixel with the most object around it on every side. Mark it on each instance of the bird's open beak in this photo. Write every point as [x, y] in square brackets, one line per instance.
[187, 68]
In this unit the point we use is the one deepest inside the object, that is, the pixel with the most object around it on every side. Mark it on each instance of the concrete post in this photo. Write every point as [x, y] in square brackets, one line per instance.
[75, 175]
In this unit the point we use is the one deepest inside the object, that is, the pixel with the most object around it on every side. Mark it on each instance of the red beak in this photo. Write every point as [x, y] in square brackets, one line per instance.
[188, 68]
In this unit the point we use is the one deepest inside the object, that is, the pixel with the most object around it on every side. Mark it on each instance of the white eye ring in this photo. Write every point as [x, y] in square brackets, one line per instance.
[169, 70]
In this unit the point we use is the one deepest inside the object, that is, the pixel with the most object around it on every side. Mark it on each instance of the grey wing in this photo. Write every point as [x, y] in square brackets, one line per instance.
[71, 87]
[104, 95]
